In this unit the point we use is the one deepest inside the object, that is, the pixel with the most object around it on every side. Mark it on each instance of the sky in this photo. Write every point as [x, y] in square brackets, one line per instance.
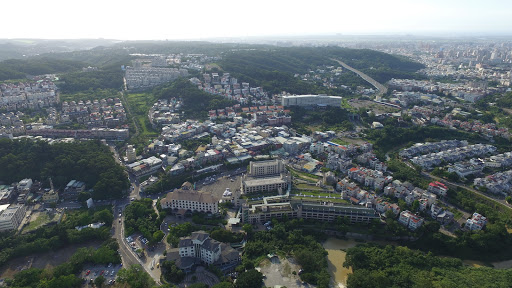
[200, 19]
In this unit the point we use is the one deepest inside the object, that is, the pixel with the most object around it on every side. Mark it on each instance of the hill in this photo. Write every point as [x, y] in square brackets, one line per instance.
[273, 68]
[88, 161]
[19, 69]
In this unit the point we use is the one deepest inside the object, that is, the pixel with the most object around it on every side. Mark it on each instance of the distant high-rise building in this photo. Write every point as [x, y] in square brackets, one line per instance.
[131, 153]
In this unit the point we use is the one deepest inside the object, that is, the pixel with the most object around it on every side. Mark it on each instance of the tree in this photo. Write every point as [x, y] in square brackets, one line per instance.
[158, 235]
[99, 281]
[415, 205]
[249, 279]
[135, 276]
[509, 199]
[223, 285]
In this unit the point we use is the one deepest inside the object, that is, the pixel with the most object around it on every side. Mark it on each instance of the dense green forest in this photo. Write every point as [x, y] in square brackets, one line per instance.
[86, 81]
[140, 216]
[18, 69]
[196, 103]
[88, 161]
[51, 238]
[389, 266]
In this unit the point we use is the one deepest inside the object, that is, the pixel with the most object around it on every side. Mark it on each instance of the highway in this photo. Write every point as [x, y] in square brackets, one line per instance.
[382, 89]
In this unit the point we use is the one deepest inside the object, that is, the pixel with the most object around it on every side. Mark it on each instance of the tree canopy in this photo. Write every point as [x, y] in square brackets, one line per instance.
[88, 161]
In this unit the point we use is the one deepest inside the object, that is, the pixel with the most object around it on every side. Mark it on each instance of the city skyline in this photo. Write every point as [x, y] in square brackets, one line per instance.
[160, 20]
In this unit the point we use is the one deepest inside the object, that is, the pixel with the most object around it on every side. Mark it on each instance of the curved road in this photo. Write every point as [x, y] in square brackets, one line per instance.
[382, 89]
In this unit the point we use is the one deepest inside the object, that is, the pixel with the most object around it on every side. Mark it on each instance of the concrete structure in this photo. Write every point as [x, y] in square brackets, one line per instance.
[311, 100]
[199, 248]
[130, 153]
[476, 222]
[72, 190]
[410, 220]
[145, 167]
[265, 168]
[283, 206]
[186, 199]
[11, 217]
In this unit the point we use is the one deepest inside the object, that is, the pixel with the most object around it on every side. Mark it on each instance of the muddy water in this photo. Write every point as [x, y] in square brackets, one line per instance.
[336, 258]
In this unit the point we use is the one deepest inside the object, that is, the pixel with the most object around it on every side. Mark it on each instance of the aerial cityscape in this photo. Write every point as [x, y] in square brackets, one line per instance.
[271, 155]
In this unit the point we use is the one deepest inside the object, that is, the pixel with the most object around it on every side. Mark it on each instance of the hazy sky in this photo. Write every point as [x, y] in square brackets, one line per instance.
[200, 19]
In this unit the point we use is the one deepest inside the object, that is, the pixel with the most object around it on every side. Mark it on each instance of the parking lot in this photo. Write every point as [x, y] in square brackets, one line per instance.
[91, 272]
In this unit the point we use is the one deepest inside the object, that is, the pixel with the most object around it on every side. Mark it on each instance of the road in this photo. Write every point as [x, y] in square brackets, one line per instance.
[128, 256]
[500, 201]
[428, 175]
[382, 89]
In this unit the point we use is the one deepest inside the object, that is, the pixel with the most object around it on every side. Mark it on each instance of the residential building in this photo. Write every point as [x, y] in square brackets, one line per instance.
[145, 167]
[11, 216]
[311, 100]
[73, 188]
[410, 220]
[476, 222]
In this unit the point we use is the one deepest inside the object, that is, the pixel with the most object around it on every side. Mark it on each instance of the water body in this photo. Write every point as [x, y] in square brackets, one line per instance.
[336, 258]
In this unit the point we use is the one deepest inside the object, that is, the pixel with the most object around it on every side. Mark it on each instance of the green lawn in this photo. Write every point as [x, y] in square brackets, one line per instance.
[339, 141]
[41, 220]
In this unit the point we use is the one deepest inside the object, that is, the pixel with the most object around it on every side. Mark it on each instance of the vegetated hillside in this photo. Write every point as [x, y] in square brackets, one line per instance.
[378, 65]
[84, 81]
[185, 47]
[89, 161]
[273, 68]
[196, 103]
[377, 266]
[18, 69]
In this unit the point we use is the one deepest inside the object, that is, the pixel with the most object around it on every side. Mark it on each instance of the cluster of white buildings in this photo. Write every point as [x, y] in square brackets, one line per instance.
[165, 112]
[140, 77]
[28, 95]
[497, 183]
[476, 222]
[145, 167]
[311, 100]
[369, 177]
[488, 129]
[228, 86]
[96, 113]
[429, 147]
[471, 91]
[453, 155]
[11, 124]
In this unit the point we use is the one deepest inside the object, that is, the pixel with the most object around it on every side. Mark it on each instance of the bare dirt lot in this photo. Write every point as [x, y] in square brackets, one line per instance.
[279, 271]
[44, 260]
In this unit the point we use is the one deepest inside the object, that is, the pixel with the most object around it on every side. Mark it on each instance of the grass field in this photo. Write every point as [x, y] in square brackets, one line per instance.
[41, 220]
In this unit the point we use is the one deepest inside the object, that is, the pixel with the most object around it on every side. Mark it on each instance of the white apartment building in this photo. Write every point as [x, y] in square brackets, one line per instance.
[476, 222]
[11, 216]
[311, 100]
[130, 153]
[264, 168]
[185, 199]
[410, 220]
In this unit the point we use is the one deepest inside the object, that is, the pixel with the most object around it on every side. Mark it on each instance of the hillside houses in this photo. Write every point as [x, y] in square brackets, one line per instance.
[498, 183]
[429, 147]
[453, 155]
